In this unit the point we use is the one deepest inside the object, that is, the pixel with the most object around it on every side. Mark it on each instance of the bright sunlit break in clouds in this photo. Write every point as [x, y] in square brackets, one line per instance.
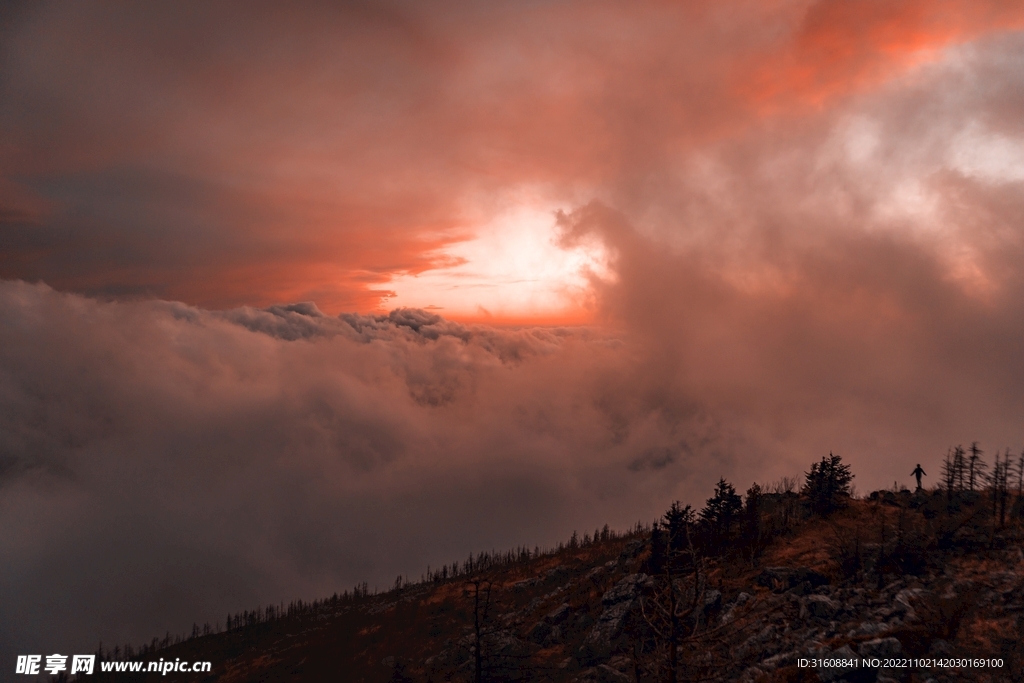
[514, 269]
[298, 296]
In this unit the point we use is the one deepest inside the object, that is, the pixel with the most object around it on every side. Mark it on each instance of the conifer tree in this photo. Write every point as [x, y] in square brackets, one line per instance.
[752, 520]
[720, 514]
[827, 485]
[678, 521]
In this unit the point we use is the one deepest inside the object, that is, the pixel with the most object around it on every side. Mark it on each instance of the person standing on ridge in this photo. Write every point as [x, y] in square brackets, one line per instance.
[917, 473]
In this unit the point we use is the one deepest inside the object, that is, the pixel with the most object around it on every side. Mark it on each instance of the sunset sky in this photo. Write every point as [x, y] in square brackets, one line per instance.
[559, 264]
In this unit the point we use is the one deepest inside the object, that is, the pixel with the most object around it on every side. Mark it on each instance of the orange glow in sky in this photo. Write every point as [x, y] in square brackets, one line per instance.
[305, 157]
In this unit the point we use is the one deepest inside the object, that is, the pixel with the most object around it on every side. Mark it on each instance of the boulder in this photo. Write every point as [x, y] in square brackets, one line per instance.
[847, 660]
[631, 550]
[781, 659]
[869, 628]
[505, 655]
[611, 622]
[730, 613]
[712, 601]
[902, 603]
[712, 604]
[881, 648]
[557, 573]
[821, 607]
[558, 615]
[606, 674]
[619, 602]
[780, 579]
[525, 583]
[774, 578]
[755, 644]
[539, 632]
[628, 588]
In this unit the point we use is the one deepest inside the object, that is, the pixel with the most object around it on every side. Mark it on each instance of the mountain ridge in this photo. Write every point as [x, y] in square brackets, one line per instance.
[754, 590]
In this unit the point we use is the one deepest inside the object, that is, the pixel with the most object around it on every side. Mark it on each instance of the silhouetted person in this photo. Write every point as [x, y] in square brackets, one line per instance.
[917, 473]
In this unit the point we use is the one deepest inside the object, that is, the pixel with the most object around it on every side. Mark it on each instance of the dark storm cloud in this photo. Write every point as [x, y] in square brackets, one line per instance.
[218, 156]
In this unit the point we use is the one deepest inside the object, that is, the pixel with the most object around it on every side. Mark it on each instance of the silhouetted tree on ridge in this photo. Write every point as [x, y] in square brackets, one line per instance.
[827, 485]
[720, 515]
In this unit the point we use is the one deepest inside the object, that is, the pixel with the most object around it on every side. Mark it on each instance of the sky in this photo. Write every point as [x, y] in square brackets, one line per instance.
[294, 297]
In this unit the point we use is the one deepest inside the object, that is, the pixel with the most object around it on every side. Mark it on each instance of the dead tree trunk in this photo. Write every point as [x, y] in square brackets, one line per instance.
[479, 617]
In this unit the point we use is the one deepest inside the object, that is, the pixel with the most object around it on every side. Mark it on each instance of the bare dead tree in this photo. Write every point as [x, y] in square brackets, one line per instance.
[953, 475]
[976, 466]
[669, 609]
[959, 466]
[1020, 475]
[999, 480]
[480, 614]
[664, 614]
[689, 646]
[1005, 494]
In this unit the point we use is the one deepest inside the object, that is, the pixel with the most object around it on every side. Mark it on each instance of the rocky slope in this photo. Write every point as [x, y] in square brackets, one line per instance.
[930, 587]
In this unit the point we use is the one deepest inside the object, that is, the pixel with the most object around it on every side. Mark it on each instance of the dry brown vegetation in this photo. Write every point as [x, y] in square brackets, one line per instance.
[963, 570]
